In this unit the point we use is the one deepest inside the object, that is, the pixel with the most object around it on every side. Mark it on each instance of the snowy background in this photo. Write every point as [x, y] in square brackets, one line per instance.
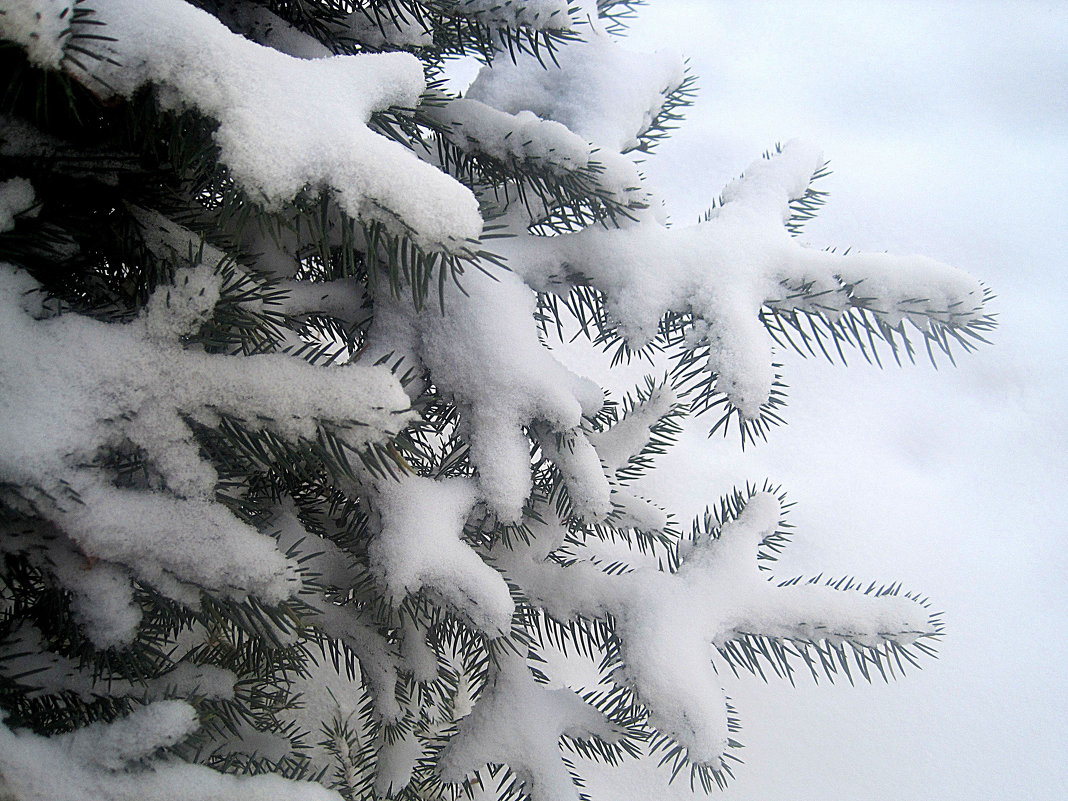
[945, 125]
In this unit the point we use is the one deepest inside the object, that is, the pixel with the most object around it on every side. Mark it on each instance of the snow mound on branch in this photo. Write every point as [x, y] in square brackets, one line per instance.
[421, 546]
[375, 27]
[725, 270]
[667, 657]
[519, 722]
[286, 123]
[598, 89]
[71, 383]
[24, 653]
[113, 762]
[270, 30]
[523, 137]
[41, 26]
[631, 435]
[537, 14]
[16, 196]
[483, 352]
[525, 141]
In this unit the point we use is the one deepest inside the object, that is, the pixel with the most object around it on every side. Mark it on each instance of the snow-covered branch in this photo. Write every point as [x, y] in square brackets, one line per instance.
[221, 557]
[67, 392]
[285, 123]
[108, 762]
[725, 270]
[667, 657]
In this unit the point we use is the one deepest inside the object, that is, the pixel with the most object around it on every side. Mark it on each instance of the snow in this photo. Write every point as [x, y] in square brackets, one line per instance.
[40, 26]
[287, 123]
[519, 722]
[342, 298]
[537, 14]
[522, 138]
[94, 764]
[397, 761]
[580, 469]
[16, 196]
[326, 695]
[290, 117]
[625, 444]
[420, 545]
[931, 477]
[631, 511]
[668, 657]
[26, 658]
[102, 598]
[180, 310]
[725, 269]
[270, 30]
[378, 657]
[484, 353]
[19, 138]
[136, 736]
[598, 89]
[419, 658]
[376, 29]
[632, 433]
[525, 142]
[71, 382]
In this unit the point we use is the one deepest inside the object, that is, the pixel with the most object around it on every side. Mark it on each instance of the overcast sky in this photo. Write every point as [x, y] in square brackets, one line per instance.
[946, 125]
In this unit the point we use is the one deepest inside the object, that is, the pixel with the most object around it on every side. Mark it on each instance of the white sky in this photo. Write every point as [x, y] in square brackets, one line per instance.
[946, 125]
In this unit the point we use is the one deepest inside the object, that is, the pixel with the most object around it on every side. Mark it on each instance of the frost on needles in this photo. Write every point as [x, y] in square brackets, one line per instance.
[297, 499]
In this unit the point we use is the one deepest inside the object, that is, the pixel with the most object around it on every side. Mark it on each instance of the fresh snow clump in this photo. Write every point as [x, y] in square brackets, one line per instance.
[286, 123]
[40, 26]
[16, 196]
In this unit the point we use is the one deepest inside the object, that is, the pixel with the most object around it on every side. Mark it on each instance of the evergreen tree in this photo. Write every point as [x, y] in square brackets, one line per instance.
[297, 501]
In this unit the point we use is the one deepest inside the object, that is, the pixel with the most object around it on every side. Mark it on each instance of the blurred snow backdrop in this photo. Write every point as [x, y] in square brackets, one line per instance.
[946, 126]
